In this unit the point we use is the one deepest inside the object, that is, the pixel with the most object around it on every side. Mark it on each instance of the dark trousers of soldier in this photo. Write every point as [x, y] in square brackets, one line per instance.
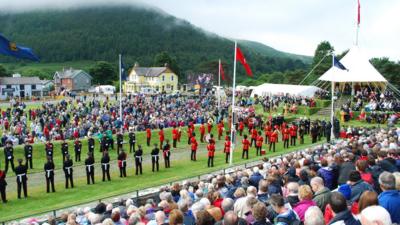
[174, 143]
[3, 194]
[226, 157]
[132, 147]
[154, 163]
[293, 140]
[253, 140]
[266, 139]
[210, 162]
[91, 148]
[122, 171]
[77, 156]
[272, 145]
[328, 137]
[245, 152]
[258, 150]
[138, 166]
[119, 148]
[90, 175]
[69, 180]
[193, 155]
[50, 181]
[148, 141]
[319, 136]
[111, 143]
[286, 143]
[188, 140]
[219, 136]
[29, 163]
[21, 183]
[301, 140]
[167, 162]
[313, 138]
[240, 132]
[161, 144]
[106, 172]
[201, 138]
[64, 157]
[9, 161]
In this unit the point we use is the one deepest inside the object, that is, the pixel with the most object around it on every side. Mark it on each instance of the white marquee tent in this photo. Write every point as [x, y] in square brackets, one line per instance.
[359, 70]
[273, 89]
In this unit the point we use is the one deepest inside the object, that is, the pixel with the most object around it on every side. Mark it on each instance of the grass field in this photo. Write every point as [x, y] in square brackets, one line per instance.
[39, 201]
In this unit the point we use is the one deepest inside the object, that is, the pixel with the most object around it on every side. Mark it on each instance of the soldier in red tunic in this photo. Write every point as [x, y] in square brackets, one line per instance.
[254, 135]
[285, 137]
[246, 145]
[220, 129]
[175, 134]
[273, 139]
[189, 132]
[241, 127]
[148, 136]
[193, 147]
[293, 134]
[227, 148]
[267, 131]
[161, 136]
[259, 143]
[202, 132]
[209, 126]
[211, 152]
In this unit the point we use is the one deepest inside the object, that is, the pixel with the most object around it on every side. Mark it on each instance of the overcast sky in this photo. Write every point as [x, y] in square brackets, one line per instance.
[295, 26]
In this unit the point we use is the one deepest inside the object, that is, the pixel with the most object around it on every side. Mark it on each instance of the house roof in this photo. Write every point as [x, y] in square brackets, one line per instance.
[20, 80]
[149, 71]
[70, 73]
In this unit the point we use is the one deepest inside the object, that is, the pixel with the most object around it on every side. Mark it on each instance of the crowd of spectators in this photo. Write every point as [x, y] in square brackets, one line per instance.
[354, 181]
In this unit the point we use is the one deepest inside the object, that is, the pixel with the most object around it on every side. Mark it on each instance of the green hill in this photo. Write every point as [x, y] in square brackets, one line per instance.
[101, 33]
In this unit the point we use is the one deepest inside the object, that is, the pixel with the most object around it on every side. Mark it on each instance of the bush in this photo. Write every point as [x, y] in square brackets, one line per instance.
[305, 110]
[322, 103]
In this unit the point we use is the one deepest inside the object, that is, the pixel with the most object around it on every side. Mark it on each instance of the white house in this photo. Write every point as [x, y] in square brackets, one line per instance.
[17, 86]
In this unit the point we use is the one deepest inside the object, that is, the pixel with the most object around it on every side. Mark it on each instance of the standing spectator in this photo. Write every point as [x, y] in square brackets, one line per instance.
[314, 216]
[358, 186]
[321, 193]
[390, 197]
[259, 212]
[341, 213]
[285, 216]
[305, 197]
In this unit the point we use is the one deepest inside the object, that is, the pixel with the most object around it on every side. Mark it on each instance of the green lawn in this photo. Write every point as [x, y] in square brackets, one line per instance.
[39, 201]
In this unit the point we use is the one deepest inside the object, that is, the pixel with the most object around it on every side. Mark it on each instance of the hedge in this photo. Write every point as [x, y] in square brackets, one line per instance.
[322, 103]
[305, 110]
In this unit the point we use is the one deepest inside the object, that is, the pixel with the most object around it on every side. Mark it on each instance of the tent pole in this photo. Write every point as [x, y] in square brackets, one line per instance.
[332, 101]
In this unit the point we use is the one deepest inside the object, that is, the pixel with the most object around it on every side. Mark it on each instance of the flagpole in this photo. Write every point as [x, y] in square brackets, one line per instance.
[120, 91]
[332, 99]
[219, 86]
[233, 109]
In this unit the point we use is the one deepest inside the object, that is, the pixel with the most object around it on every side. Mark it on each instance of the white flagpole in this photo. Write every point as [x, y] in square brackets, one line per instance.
[120, 91]
[332, 100]
[219, 86]
[358, 24]
[233, 109]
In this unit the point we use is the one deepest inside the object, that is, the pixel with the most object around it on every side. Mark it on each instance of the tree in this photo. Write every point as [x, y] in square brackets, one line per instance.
[389, 69]
[164, 58]
[3, 71]
[321, 53]
[103, 73]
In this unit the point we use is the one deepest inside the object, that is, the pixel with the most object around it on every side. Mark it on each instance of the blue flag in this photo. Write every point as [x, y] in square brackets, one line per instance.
[338, 64]
[11, 49]
[124, 75]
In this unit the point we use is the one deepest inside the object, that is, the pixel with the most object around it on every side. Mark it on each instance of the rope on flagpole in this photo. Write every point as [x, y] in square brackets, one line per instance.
[312, 70]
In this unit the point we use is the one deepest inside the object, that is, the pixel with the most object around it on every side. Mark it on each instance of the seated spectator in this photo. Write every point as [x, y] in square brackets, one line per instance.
[314, 216]
[361, 166]
[321, 193]
[358, 186]
[285, 216]
[375, 215]
[368, 198]
[293, 194]
[390, 197]
[305, 197]
[340, 211]
[259, 212]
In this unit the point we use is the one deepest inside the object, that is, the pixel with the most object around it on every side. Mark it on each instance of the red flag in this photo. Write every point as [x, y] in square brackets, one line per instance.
[242, 60]
[359, 13]
[221, 71]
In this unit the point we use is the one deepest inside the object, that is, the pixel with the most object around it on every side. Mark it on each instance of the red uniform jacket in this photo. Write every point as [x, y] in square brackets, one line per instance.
[241, 125]
[209, 127]
[202, 129]
[211, 149]
[246, 144]
[175, 134]
[254, 134]
[274, 137]
[293, 131]
[161, 135]
[220, 128]
[285, 134]
[260, 141]
[189, 132]
[227, 146]
[267, 130]
[194, 143]
[148, 133]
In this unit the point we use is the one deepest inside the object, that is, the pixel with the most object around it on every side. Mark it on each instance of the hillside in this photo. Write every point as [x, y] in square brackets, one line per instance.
[101, 33]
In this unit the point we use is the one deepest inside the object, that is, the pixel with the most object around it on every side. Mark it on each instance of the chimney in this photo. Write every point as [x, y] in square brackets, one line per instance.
[136, 64]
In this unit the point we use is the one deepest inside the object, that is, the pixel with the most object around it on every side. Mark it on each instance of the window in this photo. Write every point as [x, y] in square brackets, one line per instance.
[172, 77]
[8, 86]
[163, 78]
[33, 87]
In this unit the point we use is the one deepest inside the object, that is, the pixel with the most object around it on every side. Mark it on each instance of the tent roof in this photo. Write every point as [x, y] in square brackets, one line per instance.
[359, 69]
[268, 88]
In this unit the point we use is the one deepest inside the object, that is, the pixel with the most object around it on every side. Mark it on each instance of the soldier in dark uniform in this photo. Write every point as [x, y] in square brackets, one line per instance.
[89, 163]
[138, 160]
[166, 154]
[307, 124]
[302, 131]
[9, 156]
[105, 166]
[155, 157]
[49, 149]
[328, 128]
[104, 143]
[3, 184]
[49, 175]
[91, 144]
[28, 149]
[120, 140]
[122, 163]
[78, 150]
[68, 171]
[64, 149]
[132, 141]
[314, 133]
[20, 172]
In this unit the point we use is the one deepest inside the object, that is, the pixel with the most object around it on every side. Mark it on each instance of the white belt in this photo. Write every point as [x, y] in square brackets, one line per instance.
[105, 165]
[68, 169]
[89, 166]
[48, 173]
[139, 157]
[20, 176]
[9, 157]
[29, 156]
[154, 156]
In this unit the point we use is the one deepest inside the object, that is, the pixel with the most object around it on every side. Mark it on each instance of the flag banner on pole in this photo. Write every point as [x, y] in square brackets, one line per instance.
[242, 60]
[124, 75]
[221, 71]
[359, 13]
[12, 49]
[338, 64]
